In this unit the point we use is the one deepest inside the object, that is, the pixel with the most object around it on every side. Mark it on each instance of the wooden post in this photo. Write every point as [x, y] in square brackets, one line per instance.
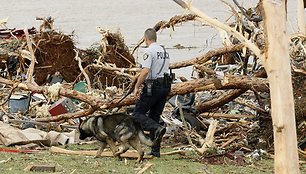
[279, 76]
[301, 17]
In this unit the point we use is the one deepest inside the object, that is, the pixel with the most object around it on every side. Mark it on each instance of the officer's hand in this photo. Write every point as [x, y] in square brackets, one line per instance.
[137, 92]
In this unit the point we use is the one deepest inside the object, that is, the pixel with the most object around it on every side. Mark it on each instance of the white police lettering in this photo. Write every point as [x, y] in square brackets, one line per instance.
[157, 60]
[162, 55]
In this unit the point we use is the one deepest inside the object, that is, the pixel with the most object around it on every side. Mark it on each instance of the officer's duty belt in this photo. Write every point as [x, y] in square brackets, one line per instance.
[157, 81]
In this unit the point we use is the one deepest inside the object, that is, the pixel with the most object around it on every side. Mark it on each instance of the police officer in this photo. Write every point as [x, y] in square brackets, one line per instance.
[153, 96]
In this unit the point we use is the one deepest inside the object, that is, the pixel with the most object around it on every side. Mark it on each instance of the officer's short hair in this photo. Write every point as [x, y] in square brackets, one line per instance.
[150, 34]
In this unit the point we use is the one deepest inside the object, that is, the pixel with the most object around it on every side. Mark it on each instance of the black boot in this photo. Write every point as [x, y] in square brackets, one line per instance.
[158, 135]
[155, 151]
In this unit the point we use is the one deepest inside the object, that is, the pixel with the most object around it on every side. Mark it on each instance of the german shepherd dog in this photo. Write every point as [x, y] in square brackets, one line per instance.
[113, 128]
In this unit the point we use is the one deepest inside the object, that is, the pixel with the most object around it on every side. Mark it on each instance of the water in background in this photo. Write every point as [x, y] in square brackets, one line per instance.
[132, 18]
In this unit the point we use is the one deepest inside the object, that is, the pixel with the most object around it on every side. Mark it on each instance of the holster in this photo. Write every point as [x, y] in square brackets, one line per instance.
[168, 78]
[149, 85]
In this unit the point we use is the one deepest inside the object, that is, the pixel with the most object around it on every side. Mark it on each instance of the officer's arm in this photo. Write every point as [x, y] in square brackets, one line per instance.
[142, 77]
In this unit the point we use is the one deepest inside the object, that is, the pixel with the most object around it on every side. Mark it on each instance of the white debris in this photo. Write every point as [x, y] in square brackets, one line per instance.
[54, 90]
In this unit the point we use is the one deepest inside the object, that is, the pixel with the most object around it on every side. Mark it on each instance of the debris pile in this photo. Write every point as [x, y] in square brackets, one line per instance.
[223, 111]
[54, 54]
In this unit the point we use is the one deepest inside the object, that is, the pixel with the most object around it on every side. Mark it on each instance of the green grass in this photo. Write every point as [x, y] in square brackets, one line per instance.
[89, 165]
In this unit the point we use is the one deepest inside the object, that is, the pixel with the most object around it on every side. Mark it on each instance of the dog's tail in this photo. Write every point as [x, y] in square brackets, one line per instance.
[143, 139]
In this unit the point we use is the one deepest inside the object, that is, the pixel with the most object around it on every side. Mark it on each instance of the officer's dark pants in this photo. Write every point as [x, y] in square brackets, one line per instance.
[154, 105]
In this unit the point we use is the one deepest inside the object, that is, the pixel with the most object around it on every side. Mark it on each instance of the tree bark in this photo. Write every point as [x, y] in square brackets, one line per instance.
[207, 56]
[279, 75]
[220, 101]
[245, 82]
[91, 100]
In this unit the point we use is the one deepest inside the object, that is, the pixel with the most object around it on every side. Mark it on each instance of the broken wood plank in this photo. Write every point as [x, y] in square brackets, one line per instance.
[209, 139]
[252, 106]
[128, 154]
[7, 160]
[40, 168]
[229, 141]
[176, 152]
[146, 167]
[33, 59]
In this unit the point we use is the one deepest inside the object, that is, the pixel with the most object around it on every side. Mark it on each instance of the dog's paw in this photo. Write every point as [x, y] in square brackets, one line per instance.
[139, 161]
[117, 154]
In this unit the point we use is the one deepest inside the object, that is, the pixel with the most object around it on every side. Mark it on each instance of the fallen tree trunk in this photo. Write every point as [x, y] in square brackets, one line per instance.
[229, 82]
[245, 82]
[178, 88]
[220, 101]
[93, 101]
[207, 56]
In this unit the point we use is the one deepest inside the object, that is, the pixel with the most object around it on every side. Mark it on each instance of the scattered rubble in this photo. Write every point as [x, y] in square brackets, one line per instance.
[231, 110]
